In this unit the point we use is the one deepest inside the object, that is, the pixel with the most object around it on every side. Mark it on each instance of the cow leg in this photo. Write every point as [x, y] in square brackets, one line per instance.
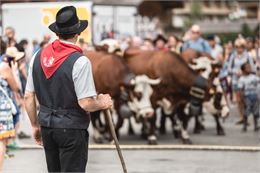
[182, 120]
[144, 130]
[196, 126]
[201, 125]
[176, 127]
[120, 119]
[152, 139]
[108, 134]
[162, 129]
[95, 118]
[130, 128]
[97, 136]
[220, 130]
[119, 124]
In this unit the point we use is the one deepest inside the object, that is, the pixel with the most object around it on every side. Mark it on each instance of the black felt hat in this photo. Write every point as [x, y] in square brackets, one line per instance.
[67, 22]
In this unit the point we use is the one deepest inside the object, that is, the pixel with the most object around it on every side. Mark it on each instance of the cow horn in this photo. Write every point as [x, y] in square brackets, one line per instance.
[154, 81]
[132, 81]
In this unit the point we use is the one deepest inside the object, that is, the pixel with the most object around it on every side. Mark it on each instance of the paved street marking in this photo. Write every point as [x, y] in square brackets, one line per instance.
[164, 147]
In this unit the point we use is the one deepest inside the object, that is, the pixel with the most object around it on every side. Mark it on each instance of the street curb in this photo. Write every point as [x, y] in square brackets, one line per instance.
[162, 147]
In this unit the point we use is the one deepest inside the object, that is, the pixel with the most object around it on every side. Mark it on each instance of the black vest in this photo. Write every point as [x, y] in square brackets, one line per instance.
[59, 106]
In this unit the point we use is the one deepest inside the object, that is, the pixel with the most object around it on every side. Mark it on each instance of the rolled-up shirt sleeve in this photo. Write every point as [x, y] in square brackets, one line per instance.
[83, 78]
[29, 84]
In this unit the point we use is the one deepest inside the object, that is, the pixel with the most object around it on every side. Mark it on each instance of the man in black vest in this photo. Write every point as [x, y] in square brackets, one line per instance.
[61, 78]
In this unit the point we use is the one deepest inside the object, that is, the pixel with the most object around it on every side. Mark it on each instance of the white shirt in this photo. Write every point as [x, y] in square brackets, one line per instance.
[81, 74]
[248, 84]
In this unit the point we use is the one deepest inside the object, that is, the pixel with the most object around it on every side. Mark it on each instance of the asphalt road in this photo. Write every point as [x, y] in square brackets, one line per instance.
[159, 161]
[146, 161]
[234, 135]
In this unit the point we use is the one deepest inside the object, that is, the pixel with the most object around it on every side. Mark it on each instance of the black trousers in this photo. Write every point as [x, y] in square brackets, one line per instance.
[66, 150]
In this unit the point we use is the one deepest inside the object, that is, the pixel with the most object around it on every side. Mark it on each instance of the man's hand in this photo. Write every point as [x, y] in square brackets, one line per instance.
[92, 104]
[37, 135]
[105, 101]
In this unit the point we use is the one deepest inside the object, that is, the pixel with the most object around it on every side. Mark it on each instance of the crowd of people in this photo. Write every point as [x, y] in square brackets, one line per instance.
[239, 74]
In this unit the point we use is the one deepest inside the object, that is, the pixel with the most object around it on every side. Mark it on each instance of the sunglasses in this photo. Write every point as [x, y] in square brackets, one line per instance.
[195, 32]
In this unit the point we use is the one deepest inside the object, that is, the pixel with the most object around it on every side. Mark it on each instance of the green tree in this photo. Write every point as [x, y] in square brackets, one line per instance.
[195, 14]
[246, 31]
[196, 11]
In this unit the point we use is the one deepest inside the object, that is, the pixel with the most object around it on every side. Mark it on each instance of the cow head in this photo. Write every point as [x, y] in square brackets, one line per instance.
[202, 65]
[140, 97]
[110, 46]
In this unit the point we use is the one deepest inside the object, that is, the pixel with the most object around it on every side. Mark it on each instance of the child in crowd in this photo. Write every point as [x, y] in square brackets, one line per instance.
[247, 85]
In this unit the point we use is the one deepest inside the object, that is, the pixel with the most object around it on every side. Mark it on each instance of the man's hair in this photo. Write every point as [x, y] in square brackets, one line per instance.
[65, 36]
[10, 28]
[2, 46]
[243, 67]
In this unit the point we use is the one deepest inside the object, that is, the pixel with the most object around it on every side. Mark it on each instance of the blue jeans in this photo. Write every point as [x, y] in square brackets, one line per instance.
[251, 105]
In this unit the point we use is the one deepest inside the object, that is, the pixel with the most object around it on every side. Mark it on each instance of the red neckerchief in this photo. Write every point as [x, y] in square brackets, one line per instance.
[54, 55]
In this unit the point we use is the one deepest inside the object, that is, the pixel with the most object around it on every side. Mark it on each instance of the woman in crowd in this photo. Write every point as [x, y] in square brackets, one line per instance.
[8, 87]
[172, 44]
[239, 57]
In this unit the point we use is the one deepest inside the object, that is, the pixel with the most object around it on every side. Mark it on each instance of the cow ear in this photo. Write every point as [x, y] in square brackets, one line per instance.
[132, 82]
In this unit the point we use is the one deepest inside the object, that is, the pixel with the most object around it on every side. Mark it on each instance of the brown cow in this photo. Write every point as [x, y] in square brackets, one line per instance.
[189, 55]
[112, 76]
[108, 79]
[177, 80]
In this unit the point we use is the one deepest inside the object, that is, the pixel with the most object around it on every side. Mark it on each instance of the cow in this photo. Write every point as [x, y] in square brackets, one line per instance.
[179, 83]
[215, 103]
[111, 75]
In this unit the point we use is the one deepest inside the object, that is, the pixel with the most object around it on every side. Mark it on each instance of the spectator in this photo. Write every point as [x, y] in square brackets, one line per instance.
[10, 37]
[43, 44]
[36, 46]
[257, 46]
[250, 46]
[239, 57]
[46, 38]
[104, 34]
[228, 48]
[224, 71]
[12, 57]
[216, 49]
[8, 87]
[135, 42]
[22, 45]
[160, 43]
[147, 45]
[247, 85]
[196, 42]
[172, 44]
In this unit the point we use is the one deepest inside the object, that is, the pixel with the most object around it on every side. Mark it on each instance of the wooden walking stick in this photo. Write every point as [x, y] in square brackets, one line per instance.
[113, 133]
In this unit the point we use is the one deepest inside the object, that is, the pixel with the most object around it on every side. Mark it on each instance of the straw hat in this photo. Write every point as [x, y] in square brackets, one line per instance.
[13, 52]
[240, 42]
